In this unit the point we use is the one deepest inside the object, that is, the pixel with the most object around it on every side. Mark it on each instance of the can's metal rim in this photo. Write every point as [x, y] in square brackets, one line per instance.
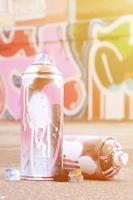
[99, 163]
[42, 69]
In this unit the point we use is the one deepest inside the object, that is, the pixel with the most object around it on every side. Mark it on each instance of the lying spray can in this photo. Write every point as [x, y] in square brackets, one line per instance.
[42, 120]
[98, 157]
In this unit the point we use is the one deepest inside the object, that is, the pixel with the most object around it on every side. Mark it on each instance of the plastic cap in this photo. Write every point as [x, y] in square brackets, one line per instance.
[41, 58]
[120, 158]
[12, 174]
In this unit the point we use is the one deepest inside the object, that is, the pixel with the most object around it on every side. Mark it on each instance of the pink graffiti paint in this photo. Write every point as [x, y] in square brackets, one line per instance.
[2, 95]
[10, 66]
[53, 40]
[56, 44]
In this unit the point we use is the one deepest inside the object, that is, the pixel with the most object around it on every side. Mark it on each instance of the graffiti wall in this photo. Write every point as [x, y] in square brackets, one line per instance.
[93, 52]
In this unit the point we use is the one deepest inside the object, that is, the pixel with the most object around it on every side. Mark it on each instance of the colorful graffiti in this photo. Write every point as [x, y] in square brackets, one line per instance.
[94, 55]
[110, 68]
[13, 41]
[17, 50]
[104, 49]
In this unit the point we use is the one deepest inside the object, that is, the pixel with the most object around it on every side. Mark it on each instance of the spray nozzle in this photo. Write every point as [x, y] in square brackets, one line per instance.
[41, 58]
[120, 158]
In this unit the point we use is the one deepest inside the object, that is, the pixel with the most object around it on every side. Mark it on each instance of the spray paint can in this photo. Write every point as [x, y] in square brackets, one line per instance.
[99, 157]
[42, 120]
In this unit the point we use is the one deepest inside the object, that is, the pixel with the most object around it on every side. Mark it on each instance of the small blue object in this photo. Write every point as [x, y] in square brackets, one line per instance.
[41, 58]
[12, 174]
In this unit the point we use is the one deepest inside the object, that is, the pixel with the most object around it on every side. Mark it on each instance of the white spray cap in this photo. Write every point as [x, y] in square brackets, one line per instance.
[120, 158]
[41, 58]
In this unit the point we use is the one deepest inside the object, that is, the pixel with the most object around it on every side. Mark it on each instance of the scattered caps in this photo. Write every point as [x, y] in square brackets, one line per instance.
[75, 176]
[65, 175]
[12, 174]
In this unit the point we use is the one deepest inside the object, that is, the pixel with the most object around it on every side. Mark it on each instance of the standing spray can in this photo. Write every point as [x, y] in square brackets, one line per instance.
[99, 157]
[42, 120]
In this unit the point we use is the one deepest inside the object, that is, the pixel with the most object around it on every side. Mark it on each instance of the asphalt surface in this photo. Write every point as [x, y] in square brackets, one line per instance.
[119, 189]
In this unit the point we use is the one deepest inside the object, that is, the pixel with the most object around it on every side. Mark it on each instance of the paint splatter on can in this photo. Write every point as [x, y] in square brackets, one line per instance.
[99, 157]
[41, 120]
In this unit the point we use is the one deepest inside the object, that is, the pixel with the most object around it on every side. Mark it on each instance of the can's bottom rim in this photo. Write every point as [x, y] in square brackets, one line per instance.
[31, 178]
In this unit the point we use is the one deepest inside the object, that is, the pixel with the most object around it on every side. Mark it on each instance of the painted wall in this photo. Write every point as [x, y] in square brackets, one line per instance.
[91, 45]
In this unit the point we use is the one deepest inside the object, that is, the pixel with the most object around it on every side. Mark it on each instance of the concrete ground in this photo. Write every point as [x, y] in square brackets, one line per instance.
[120, 189]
